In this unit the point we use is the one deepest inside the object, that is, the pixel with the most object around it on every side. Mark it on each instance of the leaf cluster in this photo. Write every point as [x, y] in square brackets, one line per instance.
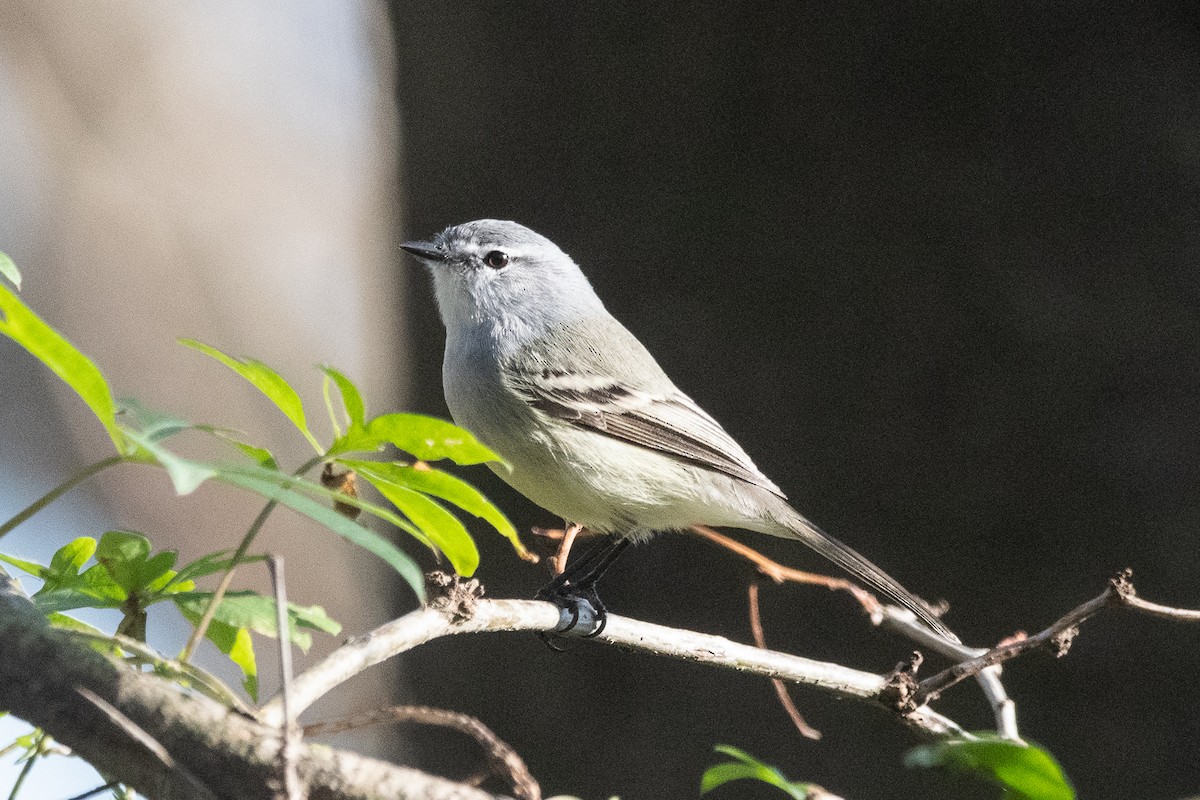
[121, 571]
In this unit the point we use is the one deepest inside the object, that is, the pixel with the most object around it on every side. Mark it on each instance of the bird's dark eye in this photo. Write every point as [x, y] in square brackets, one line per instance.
[496, 259]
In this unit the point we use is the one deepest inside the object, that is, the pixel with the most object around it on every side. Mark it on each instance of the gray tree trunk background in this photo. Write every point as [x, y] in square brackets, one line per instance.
[933, 265]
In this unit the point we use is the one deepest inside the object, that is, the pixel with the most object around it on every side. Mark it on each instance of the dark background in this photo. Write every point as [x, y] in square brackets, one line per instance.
[933, 264]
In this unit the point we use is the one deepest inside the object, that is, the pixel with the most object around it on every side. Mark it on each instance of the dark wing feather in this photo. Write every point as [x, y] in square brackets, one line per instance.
[671, 423]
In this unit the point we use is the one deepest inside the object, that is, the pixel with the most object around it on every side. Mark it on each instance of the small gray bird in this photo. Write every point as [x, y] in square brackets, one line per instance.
[593, 428]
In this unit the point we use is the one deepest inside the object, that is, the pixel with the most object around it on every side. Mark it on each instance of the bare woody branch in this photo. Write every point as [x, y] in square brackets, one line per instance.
[503, 761]
[1118, 593]
[889, 617]
[462, 616]
[42, 671]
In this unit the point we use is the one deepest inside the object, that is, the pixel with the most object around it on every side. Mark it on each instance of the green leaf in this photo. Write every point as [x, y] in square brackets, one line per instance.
[121, 549]
[66, 623]
[126, 556]
[235, 643]
[1027, 771]
[356, 411]
[427, 438]
[152, 424]
[186, 475]
[246, 609]
[747, 766]
[438, 524]
[267, 381]
[209, 565]
[365, 538]
[9, 270]
[25, 328]
[94, 588]
[70, 558]
[286, 489]
[32, 567]
[424, 478]
[259, 455]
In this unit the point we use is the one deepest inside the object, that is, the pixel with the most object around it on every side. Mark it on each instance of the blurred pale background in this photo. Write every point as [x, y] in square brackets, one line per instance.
[219, 170]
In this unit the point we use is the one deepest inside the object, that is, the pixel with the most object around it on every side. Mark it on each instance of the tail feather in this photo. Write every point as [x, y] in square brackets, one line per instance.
[794, 526]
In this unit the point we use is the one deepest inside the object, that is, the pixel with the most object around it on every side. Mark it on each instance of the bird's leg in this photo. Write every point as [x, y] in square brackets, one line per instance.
[574, 590]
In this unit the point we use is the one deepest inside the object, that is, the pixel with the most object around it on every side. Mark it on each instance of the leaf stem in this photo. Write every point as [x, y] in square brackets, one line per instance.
[202, 626]
[25, 770]
[59, 491]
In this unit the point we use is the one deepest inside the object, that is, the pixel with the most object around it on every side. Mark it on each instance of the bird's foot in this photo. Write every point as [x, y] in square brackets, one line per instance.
[581, 613]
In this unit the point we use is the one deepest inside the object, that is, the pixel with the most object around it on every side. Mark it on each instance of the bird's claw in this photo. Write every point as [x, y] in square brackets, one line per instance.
[581, 613]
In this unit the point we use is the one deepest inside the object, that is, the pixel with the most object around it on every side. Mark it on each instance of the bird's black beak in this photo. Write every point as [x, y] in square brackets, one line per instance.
[424, 251]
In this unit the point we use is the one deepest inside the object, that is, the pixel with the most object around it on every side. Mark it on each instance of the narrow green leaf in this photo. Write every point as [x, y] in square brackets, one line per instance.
[259, 455]
[27, 329]
[749, 767]
[152, 424]
[356, 411]
[185, 475]
[165, 584]
[343, 526]
[267, 381]
[333, 495]
[1027, 771]
[424, 478]
[438, 524]
[210, 564]
[100, 593]
[241, 652]
[32, 567]
[9, 270]
[427, 438]
[286, 489]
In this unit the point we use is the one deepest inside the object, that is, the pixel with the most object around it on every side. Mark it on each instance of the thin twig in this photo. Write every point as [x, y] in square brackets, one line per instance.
[502, 759]
[905, 622]
[1118, 592]
[780, 574]
[96, 791]
[1157, 610]
[227, 579]
[785, 699]
[152, 745]
[888, 616]
[287, 751]
[203, 681]
[558, 561]
[28, 766]
[58, 491]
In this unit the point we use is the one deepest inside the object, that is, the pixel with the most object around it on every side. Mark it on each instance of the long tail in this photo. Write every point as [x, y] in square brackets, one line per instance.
[791, 525]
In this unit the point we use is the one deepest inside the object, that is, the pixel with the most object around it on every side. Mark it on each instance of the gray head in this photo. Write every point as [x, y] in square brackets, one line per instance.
[497, 272]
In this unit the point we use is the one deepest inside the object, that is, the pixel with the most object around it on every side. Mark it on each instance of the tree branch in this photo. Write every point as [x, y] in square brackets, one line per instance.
[43, 669]
[890, 617]
[503, 761]
[1119, 592]
[448, 617]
